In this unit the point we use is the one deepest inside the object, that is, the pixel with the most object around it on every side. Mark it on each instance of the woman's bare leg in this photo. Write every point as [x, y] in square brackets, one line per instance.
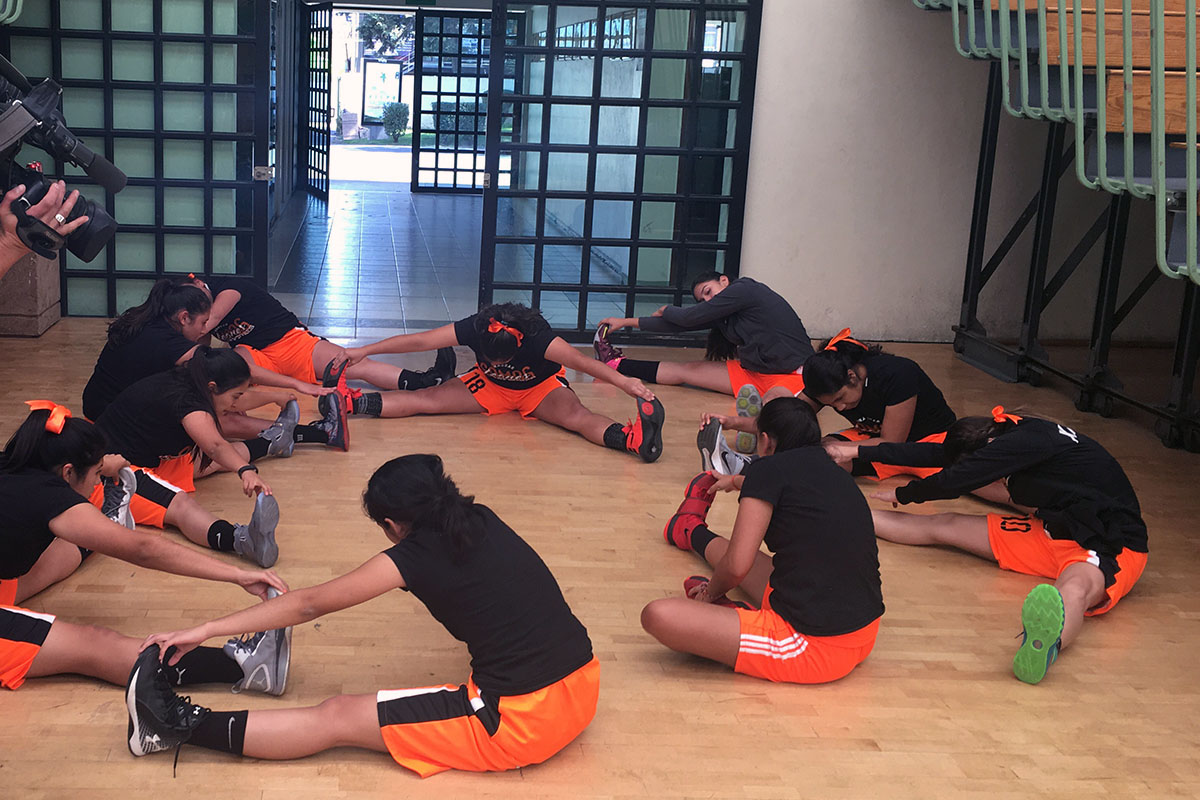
[967, 532]
[711, 375]
[689, 626]
[86, 650]
[563, 408]
[451, 397]
[192, 520]
[57, 561]
[343, 721]
[1082, 587]
[756, 580]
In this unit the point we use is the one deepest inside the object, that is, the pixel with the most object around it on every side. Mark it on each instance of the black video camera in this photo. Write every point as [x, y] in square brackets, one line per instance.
[30, 114]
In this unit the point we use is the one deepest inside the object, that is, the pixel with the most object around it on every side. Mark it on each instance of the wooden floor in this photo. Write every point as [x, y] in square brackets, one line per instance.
[934, 712]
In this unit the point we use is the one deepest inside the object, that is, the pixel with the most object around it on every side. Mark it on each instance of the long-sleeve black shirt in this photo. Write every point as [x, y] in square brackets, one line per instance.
[1077, 487]
[770, 337]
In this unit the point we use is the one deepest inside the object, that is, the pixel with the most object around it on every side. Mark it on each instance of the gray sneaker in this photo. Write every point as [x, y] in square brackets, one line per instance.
[256, 540]
[281, 434]
[117, 497]
[264, 659]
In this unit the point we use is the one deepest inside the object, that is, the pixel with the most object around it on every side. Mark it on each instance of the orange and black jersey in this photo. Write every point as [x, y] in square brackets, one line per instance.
[892, 380]
[258, 320]
[528, 367]
[29, 499]
[145, 422]
[501, 600]
[1077, 487]
[155, 348]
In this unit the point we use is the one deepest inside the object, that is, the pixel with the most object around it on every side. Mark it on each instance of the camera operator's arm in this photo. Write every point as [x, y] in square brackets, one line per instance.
[56, 205]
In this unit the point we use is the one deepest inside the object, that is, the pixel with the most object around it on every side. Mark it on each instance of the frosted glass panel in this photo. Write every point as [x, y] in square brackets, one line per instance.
[32, 56]
[658, 221]
[668, 78]
[132, 61]
[183, 111]
[34, 15]
[664, 127]
[83, 108]
[224, 161]
[654, 266]
[80, 14]
[133, 110]
[87, 297]
[100, 262]
[225, 16]
[135, 205]
[183, 16]
[570, 124]
[224, 254]
[183, 62]
[135, 157]
[183, 253]
[615, 172]
[672, 29]
[183, 206]
[81, 58]
[224, 112]
[662, 175]
[135, 252]
[132, 293]
[182, 159]
[224, 57]
[133, 15]
[224, 208]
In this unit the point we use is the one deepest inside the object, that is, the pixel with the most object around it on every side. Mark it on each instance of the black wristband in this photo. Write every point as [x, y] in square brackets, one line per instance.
[242, 470]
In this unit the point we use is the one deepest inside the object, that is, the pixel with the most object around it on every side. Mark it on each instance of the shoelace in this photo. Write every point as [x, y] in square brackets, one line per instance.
[246, 642]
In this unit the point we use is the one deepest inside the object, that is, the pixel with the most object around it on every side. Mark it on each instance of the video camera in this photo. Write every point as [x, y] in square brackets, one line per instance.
[30, 114]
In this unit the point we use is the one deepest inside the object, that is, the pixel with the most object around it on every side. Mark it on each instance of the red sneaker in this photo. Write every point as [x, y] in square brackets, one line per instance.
[643, 435]
[696, 580]
[337, 378]
[696, 499]
[679, 530]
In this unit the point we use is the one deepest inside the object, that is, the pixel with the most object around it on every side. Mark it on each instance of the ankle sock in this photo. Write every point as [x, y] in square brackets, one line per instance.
[645, 371]
[220, 536]
[701, 538]
[309, 433]
[223, 731]
[203, 665]
[614, 437]
[258, 447]
[369, 404]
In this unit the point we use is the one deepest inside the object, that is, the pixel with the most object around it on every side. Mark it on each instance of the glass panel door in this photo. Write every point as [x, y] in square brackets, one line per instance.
[318, 117]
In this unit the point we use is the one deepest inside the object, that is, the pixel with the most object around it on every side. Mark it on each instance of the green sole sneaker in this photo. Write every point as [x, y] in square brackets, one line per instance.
[1042, 617]
[748, 403]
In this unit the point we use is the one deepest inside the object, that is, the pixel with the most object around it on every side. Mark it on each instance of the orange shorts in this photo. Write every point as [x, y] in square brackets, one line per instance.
[498, 400]
[763, 381]
[1021, 544]
[438, 728]
[292, 355]
[884, 471]
[22, 633]
[771, 648]
[156, 488]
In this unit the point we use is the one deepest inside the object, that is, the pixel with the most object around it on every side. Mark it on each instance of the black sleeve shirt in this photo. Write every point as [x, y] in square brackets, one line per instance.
[145, 422]
[528, 367]
[155, 348]
[891, 380]
[29, 500]
[258, 320]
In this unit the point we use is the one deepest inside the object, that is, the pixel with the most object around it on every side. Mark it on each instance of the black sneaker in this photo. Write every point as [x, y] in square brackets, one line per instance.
[159, 719]
[335, 424]
[118, 493]
[444, 366]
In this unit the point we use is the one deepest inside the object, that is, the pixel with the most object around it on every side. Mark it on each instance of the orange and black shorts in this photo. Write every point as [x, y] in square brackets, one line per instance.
[156, 488]
[1021, 544]
[292, 355]
[22, 633]
[771, 648]
[764, 381]
[496, 399]
[885, 471]
[437, 728]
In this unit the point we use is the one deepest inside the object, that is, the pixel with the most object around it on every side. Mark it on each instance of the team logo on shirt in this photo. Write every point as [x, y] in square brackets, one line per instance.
[868, 425]
[232, 331]
[505, 372]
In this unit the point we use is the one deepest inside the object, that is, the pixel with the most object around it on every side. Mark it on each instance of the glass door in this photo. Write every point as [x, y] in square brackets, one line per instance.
[318, 68]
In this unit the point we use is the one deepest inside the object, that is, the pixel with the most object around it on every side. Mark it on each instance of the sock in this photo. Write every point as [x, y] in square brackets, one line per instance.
[645, 371]
[224, 731]
[862, 469]
[701, 538]
[220, 536]
[83, 553]
[309, 433]
[203, 665]
[369, 403]
[258, 448]
[614, 437]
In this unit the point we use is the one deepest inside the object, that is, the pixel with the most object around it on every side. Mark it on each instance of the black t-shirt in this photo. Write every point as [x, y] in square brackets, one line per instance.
[258, 319]
[29, 499]
[145, 422]
[155, 348]
[826, 577]
[528, 367]
[892, 380]
[502, 601]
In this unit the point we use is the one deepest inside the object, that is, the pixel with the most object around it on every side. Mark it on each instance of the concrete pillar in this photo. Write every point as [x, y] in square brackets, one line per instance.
[29, 297]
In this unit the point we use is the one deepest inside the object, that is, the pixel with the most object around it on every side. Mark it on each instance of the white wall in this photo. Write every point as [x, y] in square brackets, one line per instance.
[862, 170]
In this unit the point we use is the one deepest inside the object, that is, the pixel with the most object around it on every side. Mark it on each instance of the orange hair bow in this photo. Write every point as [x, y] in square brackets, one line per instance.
[998, 416]
[495, 326]
[191, 276]
[843, 336]
[58, 414]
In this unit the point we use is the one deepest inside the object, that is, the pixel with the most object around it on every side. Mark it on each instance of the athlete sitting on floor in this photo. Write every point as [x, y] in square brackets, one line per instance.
[534, 681]
[820, 594]
[1085, 530]
[47, 528]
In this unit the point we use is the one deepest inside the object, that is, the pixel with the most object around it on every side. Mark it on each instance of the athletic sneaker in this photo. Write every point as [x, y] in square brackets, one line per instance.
[444, 366]
[264, 659]
[335, 424]
[696, 580]
[606, 351]
[256, 540]
[159, 719]
[1042, 619]
[691, 512]
[281, 434]
[118, 494]
[715, 453]
[644, 434]
[678, 530]
[333, 372]
[749, 404]
[337, 377]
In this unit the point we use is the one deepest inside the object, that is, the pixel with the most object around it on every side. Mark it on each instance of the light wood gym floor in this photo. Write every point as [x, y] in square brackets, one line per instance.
[934, 712]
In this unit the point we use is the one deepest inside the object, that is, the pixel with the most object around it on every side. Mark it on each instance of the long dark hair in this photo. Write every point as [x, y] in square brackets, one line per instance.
[718, 347]
[704, 277]
[501, 346]
[825, 371]
[222, 367]
[791, 422]
[167, 298]
[415, 490]
[81, 444]
[970, 434]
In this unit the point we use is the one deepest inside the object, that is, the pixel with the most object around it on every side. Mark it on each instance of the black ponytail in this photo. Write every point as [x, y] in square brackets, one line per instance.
[825, 371]
[167, 298]
[970, 434]
[500, 346]
[224, 368]
[81, 444]
[791, 422]
[415, 490]
[718, 347]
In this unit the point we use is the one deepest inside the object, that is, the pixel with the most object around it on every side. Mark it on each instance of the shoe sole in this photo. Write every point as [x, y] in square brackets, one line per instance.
[344, 425]
[285, 649]
[706, 443]
[263, 522]
[1042, 617]
[652, 414]
[131, 706]
[749, 404]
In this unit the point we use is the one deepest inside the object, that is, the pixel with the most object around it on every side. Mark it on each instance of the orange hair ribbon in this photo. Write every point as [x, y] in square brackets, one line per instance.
[58, 414]
[191, 276]
[495, 326]
[843, 336]
[998, 416]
